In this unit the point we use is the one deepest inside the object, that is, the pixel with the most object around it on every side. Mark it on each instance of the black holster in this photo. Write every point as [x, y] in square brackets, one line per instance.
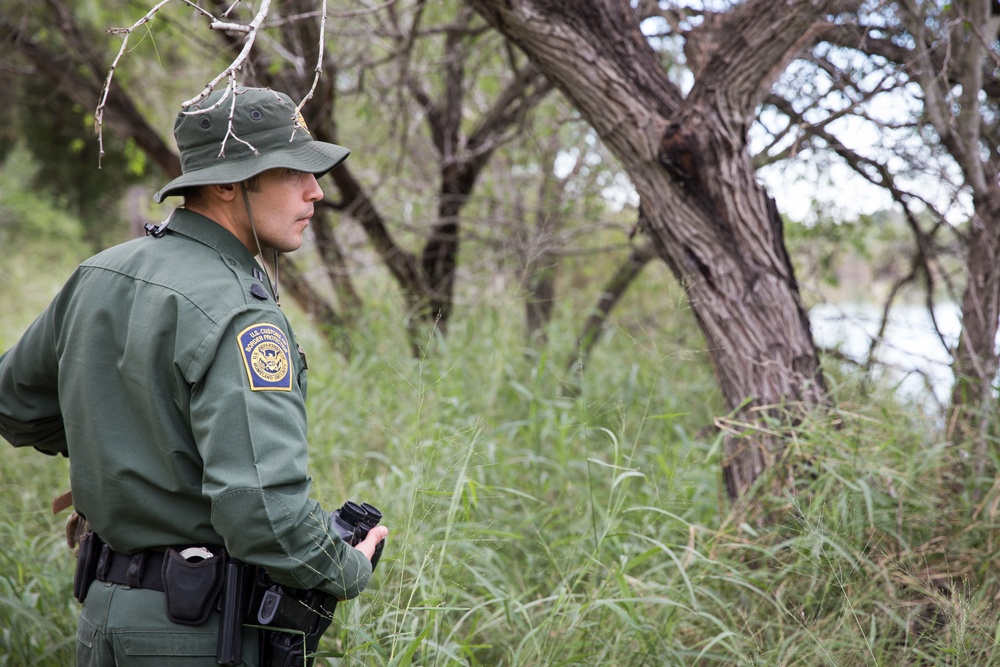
[86, 564]
[304, 615]
[290, 621]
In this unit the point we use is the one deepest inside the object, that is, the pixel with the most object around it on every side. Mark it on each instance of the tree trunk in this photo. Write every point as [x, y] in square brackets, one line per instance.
[610, 295]
[969, 135]
[335, 265]
[949, 50]
[462, 157]
[973, 405]
[439, 260]
[318, 309]
[540, 288]
[709, 218]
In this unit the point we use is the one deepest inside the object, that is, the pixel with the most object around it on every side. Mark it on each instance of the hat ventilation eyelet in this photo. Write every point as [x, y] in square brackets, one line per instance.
[255, 114]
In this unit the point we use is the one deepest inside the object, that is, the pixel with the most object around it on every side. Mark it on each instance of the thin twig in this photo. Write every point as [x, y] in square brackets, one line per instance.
[319, 68]
[99, 112]
[238, 63]
[231, 8]
[198, 9]
[230, 132]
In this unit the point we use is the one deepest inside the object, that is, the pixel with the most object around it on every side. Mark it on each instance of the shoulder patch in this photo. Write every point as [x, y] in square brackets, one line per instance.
[265, 355]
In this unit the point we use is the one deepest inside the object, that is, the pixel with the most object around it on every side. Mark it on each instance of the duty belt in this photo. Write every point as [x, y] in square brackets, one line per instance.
[291, 621]
[139, 570]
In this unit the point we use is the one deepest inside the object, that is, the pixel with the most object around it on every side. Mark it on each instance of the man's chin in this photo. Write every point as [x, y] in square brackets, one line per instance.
[292, 245]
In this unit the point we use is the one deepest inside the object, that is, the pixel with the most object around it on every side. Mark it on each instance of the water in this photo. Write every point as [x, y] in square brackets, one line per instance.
[912, 355]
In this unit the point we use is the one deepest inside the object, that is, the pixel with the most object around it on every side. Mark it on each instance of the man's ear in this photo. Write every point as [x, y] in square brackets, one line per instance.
[224, 191]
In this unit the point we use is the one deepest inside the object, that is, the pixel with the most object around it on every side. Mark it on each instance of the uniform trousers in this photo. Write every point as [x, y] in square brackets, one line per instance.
[121, 626]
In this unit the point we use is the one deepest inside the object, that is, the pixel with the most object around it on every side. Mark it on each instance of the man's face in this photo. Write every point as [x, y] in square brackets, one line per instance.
[282, 206]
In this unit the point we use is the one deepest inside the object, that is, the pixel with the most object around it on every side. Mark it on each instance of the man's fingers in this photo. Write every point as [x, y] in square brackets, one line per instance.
[375, 535]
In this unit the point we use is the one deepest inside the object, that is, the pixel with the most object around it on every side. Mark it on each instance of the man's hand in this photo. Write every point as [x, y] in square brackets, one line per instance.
[375, 535]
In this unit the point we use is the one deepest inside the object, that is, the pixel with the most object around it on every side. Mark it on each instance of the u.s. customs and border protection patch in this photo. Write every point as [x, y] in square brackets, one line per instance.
[265, 355]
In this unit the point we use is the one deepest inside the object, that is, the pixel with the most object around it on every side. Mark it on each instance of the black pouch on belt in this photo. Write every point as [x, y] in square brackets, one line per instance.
[86, 564]
[192, 584]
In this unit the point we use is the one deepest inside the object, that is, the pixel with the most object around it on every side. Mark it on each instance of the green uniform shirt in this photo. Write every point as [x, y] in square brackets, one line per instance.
[170, 377]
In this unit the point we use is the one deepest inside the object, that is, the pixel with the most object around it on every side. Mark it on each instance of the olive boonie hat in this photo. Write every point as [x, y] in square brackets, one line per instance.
[267, 133]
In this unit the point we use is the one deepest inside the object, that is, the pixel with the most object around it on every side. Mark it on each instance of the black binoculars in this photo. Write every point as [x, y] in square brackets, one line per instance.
[353, 521]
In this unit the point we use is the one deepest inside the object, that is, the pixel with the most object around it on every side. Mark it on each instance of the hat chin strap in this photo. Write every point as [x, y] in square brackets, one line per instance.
[260, 250]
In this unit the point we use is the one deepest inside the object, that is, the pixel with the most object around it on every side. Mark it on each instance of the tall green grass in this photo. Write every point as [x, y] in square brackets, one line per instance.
[530, 529]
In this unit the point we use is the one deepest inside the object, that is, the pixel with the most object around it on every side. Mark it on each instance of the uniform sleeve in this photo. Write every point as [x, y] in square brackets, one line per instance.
[249, 422]
[29, 397]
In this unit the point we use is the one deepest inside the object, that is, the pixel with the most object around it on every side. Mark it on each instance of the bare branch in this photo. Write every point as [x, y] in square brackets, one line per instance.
[319, 62]
[230, 27]
[251, 31]
[127, 32]
[238, 63]
[340, 14]
[208, 15]
[230, 91]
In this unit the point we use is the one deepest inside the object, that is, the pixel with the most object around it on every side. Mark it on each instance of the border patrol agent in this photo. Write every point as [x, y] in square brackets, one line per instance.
[167, 373]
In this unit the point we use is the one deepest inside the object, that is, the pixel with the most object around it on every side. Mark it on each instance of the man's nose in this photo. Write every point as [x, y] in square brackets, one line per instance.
[314, 192]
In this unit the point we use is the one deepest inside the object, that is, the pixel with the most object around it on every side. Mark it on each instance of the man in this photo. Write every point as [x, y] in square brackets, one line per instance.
[168, 374]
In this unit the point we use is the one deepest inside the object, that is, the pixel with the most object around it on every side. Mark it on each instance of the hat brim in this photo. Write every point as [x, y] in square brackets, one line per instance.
[314, 157]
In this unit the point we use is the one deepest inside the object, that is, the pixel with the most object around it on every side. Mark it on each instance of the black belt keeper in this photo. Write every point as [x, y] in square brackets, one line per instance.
[139, 570]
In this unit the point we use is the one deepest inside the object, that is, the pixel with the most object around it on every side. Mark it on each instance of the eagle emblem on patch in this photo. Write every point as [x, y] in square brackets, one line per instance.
[300, 121]
[265, 355]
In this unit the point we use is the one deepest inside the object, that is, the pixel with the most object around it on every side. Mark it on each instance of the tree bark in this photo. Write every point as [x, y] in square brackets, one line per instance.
[965, 133]
[973, 405]
[709, 218]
